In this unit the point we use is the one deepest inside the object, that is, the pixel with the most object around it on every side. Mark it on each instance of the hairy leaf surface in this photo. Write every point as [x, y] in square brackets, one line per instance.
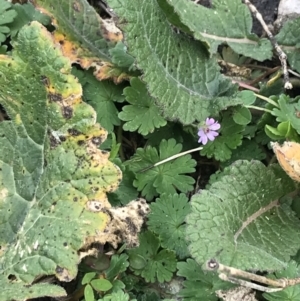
[240, 220]
[51, 170]
[229, 21]
[186, 84]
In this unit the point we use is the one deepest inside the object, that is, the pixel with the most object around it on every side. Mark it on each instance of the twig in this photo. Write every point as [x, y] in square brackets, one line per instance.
[244, 85]
[232, 274]
[282, 56]
[171, 158]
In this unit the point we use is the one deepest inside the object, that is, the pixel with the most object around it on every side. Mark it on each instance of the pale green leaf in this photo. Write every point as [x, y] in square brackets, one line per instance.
[89, 293]
[88, 277]
[185, 89]
[229, 21]
[142, 114]
[241, 115]
[239, 220]
[101, 285]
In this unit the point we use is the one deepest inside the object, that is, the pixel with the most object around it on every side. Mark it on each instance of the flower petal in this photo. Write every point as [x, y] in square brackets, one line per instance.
[211, 135]
[209, 121]
[214, 127]
[204, 139]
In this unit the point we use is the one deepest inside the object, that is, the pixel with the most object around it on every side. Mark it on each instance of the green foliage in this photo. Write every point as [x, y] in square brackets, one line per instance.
[101, 96]
[164, 178]
[141, 114]
[240, 222]
[47, 177]
[199, 285]
[26, 13]
[288, 294]
[81, 31]
[184, 89]
[179, 63]
[170, 211]
[288, 112]
[249, 150]
[157, 265]
[230, 138]
[228, 22]
[289, 36]
[7, 16]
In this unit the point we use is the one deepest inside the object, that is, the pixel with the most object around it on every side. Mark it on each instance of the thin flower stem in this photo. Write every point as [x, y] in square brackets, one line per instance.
[259, 109]
[171, 158]
[270, 101]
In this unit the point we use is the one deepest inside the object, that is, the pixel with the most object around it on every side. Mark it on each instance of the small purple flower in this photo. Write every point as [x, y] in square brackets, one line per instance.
[208, 131]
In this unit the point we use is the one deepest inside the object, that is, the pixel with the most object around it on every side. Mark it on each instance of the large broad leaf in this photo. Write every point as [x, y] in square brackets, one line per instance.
[84, 36]
[53, 178]
[186, 84]
[240, 221]
[229, 21]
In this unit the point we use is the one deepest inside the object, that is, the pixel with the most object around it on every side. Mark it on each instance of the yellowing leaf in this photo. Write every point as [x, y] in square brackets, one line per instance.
[53, 177]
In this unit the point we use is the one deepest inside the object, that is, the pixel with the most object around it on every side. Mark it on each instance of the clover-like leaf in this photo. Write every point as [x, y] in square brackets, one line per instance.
[164, 178]
[142, 114]
[53, 177]
[170, 211]
[101, 96]
[199, 285]
[240, 220]
[291, 293]
[288, 111]
[230, 138]
[229, 21]
[159, 265]
[185, 89]
[117, 296]
[7, 16]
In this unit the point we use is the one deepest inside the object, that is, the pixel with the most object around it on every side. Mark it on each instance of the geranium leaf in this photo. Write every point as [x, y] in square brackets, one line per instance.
[240, 221]
[7, 16]
[170, 211]
[101, 96]
[160, 265]
[288, 111]
[185, 89]
[142, 114]
[164, 178]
